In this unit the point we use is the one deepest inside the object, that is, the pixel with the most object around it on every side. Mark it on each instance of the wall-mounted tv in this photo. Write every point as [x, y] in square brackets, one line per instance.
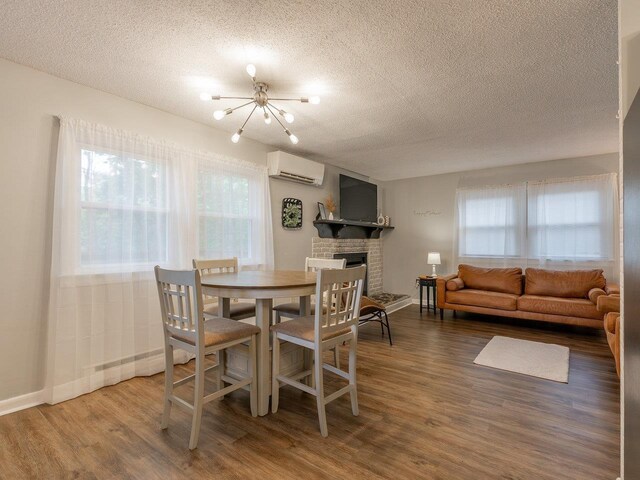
[358, 199]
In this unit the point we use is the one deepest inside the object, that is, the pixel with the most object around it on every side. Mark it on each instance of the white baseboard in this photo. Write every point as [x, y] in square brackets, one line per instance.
[399, 305]
[21, 402]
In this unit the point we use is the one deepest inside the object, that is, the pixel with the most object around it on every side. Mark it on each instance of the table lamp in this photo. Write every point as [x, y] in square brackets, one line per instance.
[433, 258]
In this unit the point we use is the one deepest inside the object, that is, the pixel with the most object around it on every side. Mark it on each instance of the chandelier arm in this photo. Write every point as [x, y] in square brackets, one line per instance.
[275, 116]
[243, 105]
[245, 122]
[287, 99]
[218, 97]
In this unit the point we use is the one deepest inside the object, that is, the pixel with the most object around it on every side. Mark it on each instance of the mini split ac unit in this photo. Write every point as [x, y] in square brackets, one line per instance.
[296, 169]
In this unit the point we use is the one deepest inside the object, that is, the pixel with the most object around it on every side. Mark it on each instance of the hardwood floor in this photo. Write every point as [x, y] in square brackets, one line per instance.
[426, 411]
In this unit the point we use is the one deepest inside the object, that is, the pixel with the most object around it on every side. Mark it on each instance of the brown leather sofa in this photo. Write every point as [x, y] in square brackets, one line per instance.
[610, 306]
[568, 297]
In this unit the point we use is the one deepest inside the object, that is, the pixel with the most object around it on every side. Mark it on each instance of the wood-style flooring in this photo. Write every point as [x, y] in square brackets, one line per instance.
[426, 411]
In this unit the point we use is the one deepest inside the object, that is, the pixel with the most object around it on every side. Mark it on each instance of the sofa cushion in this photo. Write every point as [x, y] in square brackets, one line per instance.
[482, 298]
[569, 307]
[566, 284]
[505, 280]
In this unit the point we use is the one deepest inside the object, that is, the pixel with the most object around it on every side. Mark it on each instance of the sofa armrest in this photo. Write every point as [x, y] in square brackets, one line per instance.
[612, 327]
[608, 303]
[612, 289]
[612, 323]
[441, 287]
[595, 293]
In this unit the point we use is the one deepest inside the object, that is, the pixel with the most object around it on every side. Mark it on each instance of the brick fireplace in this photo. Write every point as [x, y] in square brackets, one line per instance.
[336, 247]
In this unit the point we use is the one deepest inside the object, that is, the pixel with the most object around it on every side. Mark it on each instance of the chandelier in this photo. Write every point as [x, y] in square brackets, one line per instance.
[260, 100]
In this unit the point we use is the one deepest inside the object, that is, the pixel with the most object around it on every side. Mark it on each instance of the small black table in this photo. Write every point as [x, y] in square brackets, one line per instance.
[430, 283]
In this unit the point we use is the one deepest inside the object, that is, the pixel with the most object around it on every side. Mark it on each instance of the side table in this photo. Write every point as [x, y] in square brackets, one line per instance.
[430, 284]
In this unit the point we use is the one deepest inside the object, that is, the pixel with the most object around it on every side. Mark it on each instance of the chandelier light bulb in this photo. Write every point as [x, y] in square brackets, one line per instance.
[251, 70]
[314, 99]
[205, 97]
[219, 114]
[267, 118]
[236, 136]
[292, 137]
[289, 117]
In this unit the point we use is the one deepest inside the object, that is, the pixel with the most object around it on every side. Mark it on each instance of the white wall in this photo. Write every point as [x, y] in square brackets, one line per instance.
[29, 102]
[422, 210]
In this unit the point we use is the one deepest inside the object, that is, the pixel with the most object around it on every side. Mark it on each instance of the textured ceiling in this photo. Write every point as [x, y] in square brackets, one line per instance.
[408, 88]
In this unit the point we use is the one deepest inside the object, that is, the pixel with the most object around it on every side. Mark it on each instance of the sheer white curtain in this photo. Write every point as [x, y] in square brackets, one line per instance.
[573, 223]
[490, 225]
[124, 203]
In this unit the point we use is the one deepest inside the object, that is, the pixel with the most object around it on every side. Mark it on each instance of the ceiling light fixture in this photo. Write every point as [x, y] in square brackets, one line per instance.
[260, 99]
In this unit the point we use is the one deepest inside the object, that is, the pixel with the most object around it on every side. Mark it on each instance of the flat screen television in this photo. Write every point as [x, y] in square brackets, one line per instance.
[358, 199]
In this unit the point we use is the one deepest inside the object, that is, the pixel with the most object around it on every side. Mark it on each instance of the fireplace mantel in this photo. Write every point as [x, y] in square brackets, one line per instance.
[348, 229]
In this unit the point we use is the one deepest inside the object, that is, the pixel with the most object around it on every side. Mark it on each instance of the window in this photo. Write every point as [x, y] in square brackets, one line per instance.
[225, 222]
[569, 220]
[123, 210]
[126, 203]
[572, 220]
[491, 221]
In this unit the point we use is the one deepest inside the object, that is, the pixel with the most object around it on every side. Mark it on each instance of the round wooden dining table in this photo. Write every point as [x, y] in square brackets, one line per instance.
[263, 286]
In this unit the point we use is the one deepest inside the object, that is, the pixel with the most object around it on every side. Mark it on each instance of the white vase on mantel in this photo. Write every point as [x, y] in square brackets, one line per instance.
[380, 219]
[330, 215]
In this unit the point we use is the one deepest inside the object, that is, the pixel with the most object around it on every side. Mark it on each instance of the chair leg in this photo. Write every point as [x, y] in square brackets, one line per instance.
[352, 375]
[308, 354]
[322, 416]
[253, 392]
[198, 396]
[336, 356]
[220, 370]
[168, 385]
[386, 318]
[275, 383]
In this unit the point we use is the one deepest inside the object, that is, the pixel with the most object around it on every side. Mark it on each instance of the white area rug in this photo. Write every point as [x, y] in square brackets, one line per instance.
[543, 360]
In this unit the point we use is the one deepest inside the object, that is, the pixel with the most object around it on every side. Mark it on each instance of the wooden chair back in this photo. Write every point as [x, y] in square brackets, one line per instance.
[208, 267]
[314, 264]
[180, 296]
[341, 291]
[223, 265]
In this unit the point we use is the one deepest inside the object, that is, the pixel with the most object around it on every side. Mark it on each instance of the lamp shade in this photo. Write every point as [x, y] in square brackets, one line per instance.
[433, 258]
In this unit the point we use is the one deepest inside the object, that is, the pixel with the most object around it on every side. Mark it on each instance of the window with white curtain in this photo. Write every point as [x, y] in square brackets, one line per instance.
[572, 219]
[561, 223]
[491, 221]
[124, 203]
[225, 220]
[123, 210]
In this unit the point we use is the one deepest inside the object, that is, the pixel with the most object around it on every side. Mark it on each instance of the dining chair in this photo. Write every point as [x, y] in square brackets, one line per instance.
[337, 323]
[292, 309]
[374, 311]
[185, 328]
[238, 310]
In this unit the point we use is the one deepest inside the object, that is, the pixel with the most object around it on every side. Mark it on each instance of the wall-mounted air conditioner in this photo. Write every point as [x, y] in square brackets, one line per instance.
[296, 169]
